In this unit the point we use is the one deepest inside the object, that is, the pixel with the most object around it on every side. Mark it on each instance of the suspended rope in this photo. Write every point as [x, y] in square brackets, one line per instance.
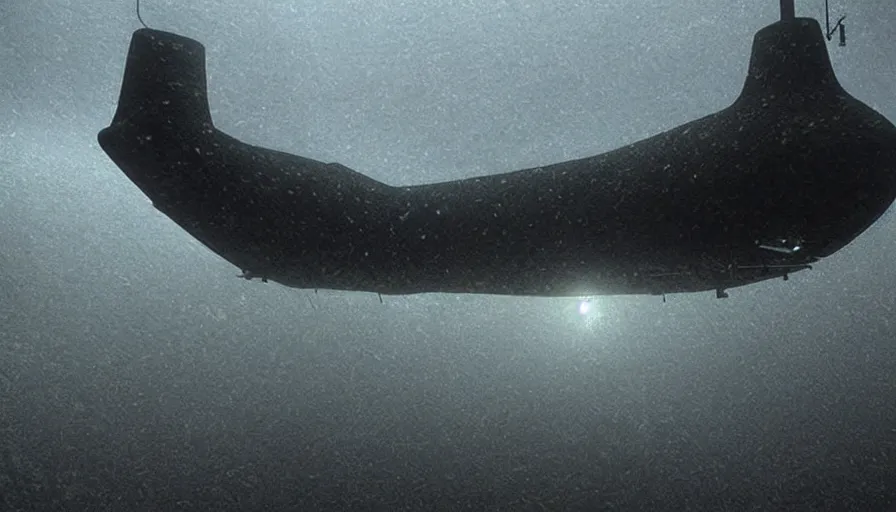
[138, 15]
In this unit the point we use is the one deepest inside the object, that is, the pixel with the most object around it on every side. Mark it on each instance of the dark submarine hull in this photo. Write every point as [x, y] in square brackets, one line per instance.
[791, 172]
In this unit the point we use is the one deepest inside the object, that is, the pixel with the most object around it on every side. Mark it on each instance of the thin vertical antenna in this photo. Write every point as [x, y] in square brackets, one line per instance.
[138, 15]
[827, 17]
[837, 26]
[788, 12]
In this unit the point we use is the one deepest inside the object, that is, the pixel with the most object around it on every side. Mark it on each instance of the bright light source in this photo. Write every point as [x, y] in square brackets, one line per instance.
[584, 307]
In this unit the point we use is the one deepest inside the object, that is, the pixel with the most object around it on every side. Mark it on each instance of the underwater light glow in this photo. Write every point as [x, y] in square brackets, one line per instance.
[584, 307]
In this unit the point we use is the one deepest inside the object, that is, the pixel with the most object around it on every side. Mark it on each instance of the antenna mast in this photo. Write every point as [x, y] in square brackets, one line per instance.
[837, 26]
[788, 12]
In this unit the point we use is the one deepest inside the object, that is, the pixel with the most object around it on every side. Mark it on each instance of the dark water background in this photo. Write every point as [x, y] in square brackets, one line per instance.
[137, 373]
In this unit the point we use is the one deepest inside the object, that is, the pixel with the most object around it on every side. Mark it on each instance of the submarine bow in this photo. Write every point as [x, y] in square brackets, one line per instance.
[791, 172]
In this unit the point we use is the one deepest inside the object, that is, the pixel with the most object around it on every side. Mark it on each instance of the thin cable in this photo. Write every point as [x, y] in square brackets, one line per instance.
[138, 15]
[827, 18]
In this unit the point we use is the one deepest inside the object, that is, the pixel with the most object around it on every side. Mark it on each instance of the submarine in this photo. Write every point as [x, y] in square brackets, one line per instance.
[792, 171]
